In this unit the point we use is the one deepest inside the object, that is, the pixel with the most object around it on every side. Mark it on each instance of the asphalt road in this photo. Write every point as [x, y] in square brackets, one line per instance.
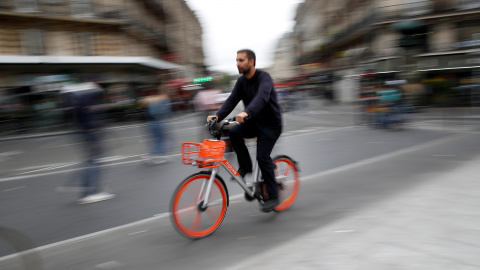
[356, 166]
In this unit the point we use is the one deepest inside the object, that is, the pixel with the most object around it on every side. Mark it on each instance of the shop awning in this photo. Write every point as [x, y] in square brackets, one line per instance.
[149, 62]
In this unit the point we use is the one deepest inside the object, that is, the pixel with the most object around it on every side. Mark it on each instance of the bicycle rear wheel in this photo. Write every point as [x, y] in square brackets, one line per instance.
[189, 215]
[286, 173]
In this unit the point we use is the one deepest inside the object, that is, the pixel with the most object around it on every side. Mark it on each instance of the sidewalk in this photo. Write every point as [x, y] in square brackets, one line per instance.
[435, 226]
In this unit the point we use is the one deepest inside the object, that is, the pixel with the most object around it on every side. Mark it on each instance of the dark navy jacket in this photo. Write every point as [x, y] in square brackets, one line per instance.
[258, 96]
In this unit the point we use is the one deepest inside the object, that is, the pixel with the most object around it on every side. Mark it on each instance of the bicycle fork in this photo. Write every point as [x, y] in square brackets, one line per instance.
[208, 185]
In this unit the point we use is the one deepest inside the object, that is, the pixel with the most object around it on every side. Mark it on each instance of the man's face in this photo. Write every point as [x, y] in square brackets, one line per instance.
[243, 64]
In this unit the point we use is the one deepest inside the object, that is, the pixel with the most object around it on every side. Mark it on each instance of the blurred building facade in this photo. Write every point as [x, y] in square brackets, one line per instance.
[420, 41]
[284, 58]
[123, 45]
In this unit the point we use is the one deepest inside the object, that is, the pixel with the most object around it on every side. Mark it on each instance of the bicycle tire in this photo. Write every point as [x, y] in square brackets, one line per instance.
[185, 211]
[289, 183]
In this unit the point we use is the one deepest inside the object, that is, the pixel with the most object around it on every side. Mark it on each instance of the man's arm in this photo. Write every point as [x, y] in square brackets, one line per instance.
[262, 97]
[230, 103]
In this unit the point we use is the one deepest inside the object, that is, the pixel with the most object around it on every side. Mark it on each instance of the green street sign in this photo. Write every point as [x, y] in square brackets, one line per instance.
[203, 79]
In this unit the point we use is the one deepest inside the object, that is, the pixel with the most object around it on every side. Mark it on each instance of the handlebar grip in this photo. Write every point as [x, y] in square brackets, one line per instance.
[213, 120]
[247, 118]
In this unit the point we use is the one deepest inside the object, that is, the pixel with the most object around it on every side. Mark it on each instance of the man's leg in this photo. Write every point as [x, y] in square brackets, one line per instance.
[237, 135]
[266, 139]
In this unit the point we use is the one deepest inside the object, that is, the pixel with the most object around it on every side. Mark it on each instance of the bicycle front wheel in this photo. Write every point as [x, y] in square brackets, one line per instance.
[190, 217]
[286, 174]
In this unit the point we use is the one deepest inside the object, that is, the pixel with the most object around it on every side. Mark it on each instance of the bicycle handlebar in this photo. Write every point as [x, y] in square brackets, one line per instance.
[218, 133]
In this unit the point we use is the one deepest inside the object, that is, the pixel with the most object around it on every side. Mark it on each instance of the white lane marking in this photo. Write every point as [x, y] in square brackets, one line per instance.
[444, 155]
[11, 153]
[138, 232]
[345, 231]
[49, 168]
[306, 130]
[6, 190]
[161, 215]
[126, 127]
[111, 158]
[31, 168]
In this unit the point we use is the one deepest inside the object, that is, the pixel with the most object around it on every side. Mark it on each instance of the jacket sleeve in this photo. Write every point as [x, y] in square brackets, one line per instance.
[231, 102]
[262, 97]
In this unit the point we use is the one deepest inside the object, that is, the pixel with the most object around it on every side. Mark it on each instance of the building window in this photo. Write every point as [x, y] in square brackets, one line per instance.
[26, 5]
[468, 4]
[413, 8]
[84, 43]
[81, 8]
[33, 42]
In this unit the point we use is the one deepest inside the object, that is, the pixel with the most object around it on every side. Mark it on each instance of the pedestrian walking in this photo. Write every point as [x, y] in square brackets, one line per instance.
[85, 99]
[158, 110]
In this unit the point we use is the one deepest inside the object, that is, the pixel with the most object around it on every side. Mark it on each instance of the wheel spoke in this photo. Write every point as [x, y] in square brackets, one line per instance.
[212, 213]
[196, 222]
[184, 212]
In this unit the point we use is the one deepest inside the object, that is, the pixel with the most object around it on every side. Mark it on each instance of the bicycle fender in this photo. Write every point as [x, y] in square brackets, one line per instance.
[287, 157]
[221, 181]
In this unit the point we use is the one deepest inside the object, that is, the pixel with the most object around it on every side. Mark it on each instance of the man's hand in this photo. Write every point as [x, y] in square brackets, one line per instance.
[210, 117]
[239, 117]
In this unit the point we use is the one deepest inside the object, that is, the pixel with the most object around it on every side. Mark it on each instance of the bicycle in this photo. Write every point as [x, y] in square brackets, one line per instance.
[199, 203]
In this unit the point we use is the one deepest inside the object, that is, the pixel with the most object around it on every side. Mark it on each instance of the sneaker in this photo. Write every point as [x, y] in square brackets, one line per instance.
[269, 205]
[98, 197]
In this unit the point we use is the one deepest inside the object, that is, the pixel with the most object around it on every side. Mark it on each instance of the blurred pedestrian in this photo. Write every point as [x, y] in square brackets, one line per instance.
[85, 99]
[207, 102]
[158, 110]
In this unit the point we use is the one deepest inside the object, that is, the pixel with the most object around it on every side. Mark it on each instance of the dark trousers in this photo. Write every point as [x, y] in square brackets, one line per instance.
[266, 138]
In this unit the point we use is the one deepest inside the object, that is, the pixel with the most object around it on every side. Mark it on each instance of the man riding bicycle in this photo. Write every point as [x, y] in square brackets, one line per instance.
[255, 89]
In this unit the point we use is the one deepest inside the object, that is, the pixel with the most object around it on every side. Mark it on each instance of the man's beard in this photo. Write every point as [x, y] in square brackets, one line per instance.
[245, 71]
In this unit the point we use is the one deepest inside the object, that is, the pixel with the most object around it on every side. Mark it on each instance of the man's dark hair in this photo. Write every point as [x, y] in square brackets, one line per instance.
[250, 55]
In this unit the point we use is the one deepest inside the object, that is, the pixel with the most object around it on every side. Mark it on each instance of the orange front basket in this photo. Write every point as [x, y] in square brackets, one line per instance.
[208, 154]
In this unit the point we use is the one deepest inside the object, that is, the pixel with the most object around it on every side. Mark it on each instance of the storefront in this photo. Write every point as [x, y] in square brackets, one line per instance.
[31, 84]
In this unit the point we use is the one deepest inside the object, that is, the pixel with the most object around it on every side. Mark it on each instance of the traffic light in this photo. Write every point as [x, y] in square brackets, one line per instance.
[203, 79]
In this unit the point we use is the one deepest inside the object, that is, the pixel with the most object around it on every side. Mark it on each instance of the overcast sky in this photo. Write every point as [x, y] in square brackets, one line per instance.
[230, 25]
